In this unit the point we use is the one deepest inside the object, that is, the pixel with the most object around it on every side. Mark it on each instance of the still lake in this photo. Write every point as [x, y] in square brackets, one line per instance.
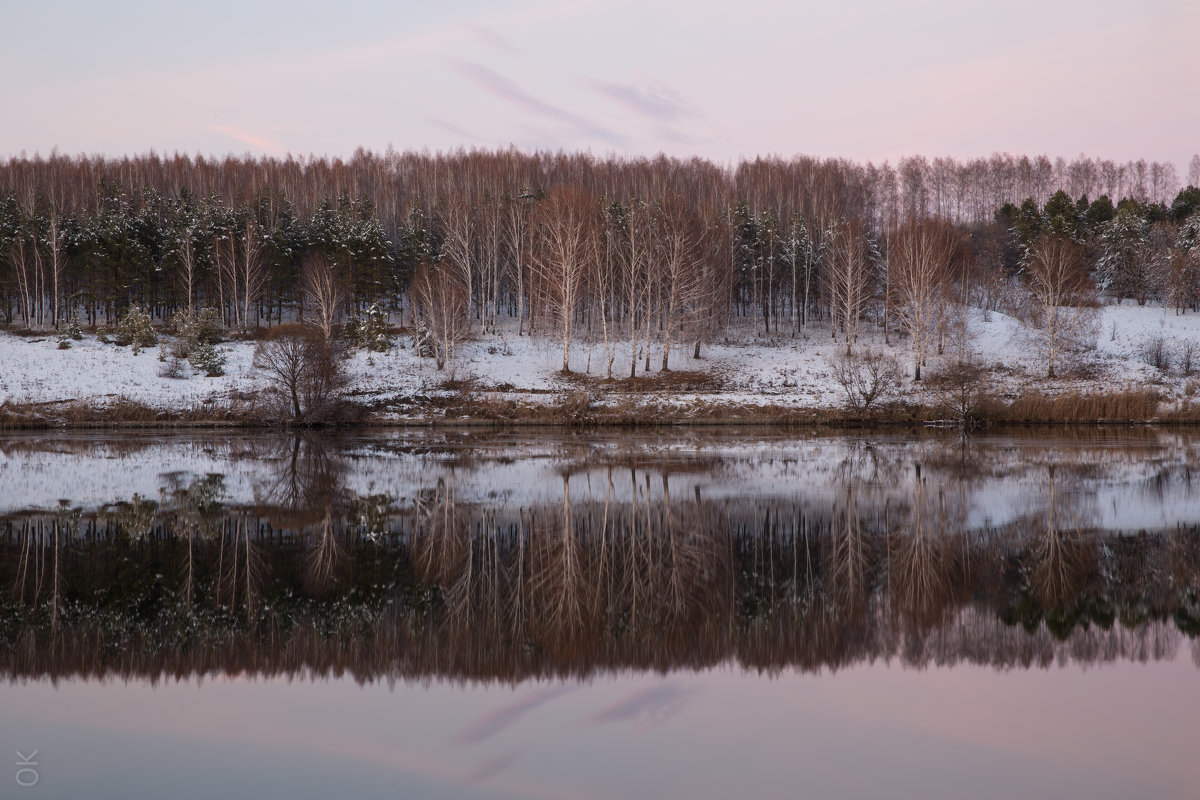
[462, 613]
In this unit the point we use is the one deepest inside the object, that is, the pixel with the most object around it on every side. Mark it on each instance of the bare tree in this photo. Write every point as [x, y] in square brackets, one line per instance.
[186, 259]
[568, 227]
[441, 307]
[252, 275]
[848, 275]
[1063, 306]
[56, 242]
[303, 369]
[517, 235]
[237, 254]
[636, 264]
[324, 290]
[679, 272]
[460, 242]
[920, 259]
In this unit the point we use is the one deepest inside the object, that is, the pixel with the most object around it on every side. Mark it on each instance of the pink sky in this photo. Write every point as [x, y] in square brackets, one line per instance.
[1117, 730]
[863, 80]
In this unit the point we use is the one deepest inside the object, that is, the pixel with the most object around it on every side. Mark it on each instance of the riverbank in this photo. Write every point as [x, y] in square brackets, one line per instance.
[748, 377]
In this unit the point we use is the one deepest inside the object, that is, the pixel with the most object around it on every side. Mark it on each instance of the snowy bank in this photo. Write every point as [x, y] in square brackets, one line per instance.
[748, 369]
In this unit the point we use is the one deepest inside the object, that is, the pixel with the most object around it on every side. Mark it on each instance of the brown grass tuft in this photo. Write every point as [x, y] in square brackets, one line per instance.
[1127, 406]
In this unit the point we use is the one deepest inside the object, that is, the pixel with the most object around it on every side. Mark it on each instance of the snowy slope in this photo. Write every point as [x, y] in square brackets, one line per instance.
[780, 369]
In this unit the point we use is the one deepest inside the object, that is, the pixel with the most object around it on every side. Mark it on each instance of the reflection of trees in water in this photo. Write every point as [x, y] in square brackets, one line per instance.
[1061, 555]
[551, 578]
[38, 568]
[195, 513]
[619, 571]
[928, 557]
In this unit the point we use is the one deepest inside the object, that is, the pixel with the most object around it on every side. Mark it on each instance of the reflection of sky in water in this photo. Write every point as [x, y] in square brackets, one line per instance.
[1124, 730]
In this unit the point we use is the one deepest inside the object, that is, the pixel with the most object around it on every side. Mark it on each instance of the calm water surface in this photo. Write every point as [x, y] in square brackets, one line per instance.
[481, 615]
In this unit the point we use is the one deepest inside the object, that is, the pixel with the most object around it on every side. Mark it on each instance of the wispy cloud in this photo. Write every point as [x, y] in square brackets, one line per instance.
[252, 139]
[504, 717]
[490, 37]
[652, 706]
[508, 90]
[454, 129]
[494, 766]
[657, 102]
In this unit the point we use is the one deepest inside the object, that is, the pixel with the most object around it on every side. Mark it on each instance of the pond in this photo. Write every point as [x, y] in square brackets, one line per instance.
[480, 614]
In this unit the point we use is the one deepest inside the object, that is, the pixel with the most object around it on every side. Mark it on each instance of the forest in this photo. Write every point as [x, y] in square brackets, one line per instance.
[654, 253]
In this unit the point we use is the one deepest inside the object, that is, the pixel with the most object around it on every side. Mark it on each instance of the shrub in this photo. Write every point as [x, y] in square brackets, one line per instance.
[305, 372]
[866, 378]
[962, 388]
[1185, 355]
[371, 331]
[194, 328]
[1155, 352]
[208, 359]
[173, 366]
[73, 331]
[136, 330]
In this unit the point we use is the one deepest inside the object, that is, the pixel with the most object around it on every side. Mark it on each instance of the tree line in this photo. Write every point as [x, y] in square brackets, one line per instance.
[643, 254]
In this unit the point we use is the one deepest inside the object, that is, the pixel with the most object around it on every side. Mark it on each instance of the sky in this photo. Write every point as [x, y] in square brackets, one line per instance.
[868, 730]
[721, 80]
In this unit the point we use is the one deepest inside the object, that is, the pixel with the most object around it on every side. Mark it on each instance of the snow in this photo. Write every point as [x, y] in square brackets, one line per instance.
[1125, 481]
[783, 368]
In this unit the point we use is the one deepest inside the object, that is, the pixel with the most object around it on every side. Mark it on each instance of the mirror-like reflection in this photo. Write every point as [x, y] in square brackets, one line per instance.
[486, 557]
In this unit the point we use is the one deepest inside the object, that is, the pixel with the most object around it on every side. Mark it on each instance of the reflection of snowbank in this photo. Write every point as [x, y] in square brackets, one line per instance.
[1134, 481]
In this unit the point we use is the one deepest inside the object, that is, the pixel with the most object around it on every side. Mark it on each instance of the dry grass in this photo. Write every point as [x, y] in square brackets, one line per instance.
[586, 405]
[671, 381]
[1074, 407]
[123, 412]
[584, 408]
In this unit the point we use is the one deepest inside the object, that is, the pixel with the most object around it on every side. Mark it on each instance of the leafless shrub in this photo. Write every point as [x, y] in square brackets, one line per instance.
[1185, 356]
[866, 377]
[305, 370]
[962, 388]
[172, 366]
[1155, 351]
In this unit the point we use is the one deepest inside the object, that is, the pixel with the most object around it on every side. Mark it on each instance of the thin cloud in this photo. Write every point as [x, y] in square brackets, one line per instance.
[506, 716]
[506, 89]
[655, 705]
[254, 140]
[454, 129]
[657, 102]
[494, 766]
[490, 37]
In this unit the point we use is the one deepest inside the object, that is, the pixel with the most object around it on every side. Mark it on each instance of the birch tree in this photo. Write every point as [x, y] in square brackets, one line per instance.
[848, 279]
[920, 260]
[1063, 307]
[567, 245]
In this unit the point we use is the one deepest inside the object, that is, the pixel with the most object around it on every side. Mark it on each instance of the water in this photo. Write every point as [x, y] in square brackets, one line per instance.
[471, 614]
